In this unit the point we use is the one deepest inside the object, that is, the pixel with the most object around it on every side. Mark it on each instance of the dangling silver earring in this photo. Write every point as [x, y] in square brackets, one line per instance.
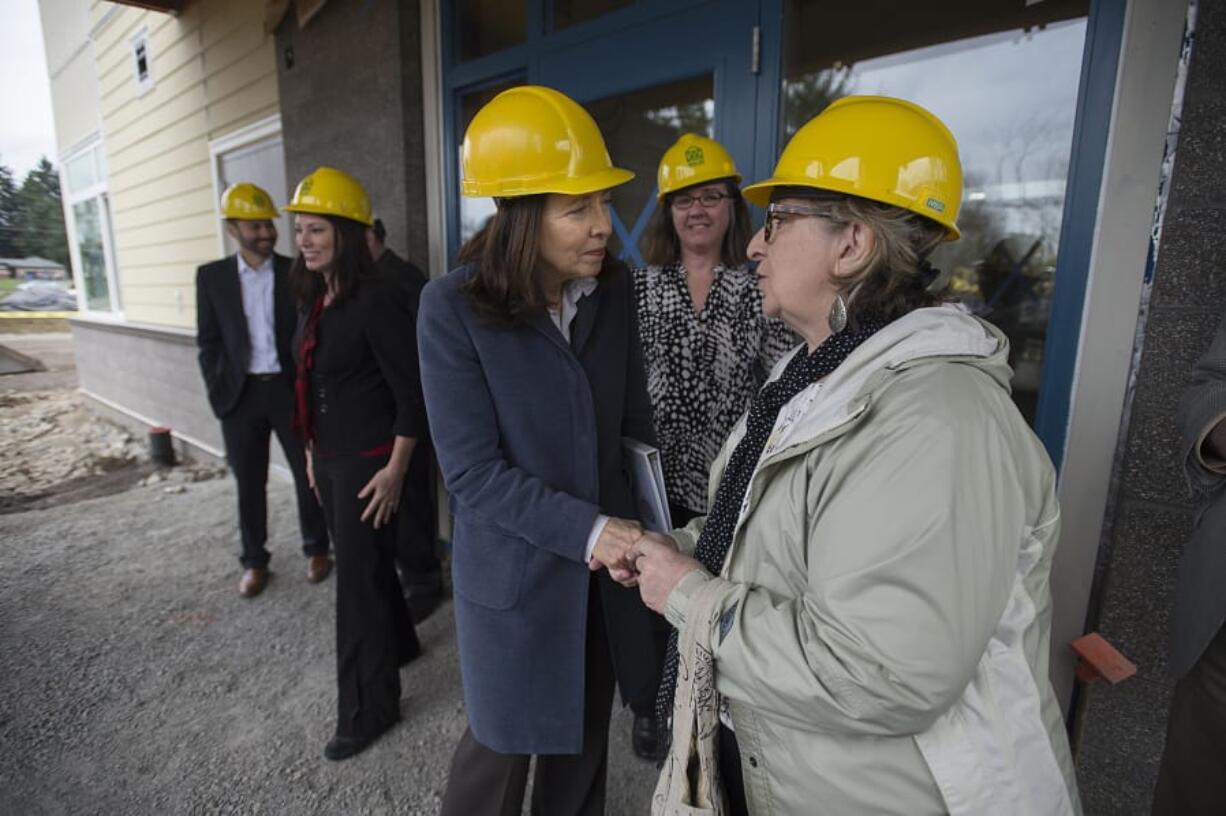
[838, 314]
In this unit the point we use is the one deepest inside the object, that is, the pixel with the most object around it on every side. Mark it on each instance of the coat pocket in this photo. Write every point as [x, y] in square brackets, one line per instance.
[487, 564]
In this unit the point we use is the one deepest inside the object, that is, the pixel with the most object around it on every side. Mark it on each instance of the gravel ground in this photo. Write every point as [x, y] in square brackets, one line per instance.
[135, 679]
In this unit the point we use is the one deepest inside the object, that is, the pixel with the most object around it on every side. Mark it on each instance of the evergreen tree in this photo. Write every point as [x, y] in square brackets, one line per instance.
[40, 215]
[10, 246]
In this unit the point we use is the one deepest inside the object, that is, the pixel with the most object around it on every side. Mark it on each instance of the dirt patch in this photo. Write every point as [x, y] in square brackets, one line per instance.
[57, 452]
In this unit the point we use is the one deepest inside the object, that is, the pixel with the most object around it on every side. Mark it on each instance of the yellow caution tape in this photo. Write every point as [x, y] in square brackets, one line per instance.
[37, 314]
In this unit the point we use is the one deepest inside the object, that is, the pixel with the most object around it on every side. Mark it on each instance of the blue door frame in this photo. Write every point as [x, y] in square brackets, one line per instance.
[640, 46]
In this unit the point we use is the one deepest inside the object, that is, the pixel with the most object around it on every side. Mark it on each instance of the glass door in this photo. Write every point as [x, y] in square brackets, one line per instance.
[1004, 77]
[1009, 78]
[688, 70]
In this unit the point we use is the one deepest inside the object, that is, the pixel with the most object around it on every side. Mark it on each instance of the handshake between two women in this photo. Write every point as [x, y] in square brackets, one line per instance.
[640, 558]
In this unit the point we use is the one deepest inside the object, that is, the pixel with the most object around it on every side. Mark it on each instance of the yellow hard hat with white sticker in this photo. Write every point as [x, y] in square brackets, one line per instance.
[246, 202]
[530, 140]
[879, 148]
[692, 160]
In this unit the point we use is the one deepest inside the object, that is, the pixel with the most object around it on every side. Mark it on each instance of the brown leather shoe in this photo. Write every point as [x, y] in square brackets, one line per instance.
[253, 581]
[318, 568]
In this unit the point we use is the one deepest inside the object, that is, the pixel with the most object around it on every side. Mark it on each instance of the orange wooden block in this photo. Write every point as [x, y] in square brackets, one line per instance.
[1099, 660]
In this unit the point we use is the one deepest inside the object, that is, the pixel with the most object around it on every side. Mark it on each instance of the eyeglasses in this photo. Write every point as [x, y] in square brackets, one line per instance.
[709, 199]
[775, 217]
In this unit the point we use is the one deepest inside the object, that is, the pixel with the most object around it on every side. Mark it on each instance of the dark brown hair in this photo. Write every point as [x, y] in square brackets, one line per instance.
[506, 251]
[896, 278]
[350, 262]
[664, 247]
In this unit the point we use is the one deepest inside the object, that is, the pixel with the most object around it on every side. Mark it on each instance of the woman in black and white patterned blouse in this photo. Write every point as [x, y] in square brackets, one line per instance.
[707, 344]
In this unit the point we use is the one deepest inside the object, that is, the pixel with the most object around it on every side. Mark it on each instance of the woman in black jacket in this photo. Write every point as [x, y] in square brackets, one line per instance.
[361, 412]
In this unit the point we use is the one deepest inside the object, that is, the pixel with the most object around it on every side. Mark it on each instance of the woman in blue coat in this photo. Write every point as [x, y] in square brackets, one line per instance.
[532, 374]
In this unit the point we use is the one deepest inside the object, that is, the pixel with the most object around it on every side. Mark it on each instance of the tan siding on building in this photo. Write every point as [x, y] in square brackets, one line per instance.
[70, 67]
[214, 71]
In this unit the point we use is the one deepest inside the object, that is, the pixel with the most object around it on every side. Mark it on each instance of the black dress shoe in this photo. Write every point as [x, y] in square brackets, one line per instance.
[339, 747]
[646, 739]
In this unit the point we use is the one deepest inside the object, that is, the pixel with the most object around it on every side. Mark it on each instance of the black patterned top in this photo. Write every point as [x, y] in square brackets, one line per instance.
[702, 369]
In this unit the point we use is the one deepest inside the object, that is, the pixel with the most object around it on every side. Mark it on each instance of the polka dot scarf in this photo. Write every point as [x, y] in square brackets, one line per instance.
[801, 371]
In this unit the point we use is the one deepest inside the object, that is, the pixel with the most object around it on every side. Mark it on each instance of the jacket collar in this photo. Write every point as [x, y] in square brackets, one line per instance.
[587, 300]
[947, 332]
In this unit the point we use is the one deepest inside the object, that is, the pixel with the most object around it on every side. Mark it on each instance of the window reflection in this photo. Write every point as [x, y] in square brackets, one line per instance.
[567, 13]
[638, 127]
[1008, 92]
[88, 226]
[487, 26]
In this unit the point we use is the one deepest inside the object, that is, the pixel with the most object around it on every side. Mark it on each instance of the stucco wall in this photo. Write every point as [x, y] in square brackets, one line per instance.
[352, 100]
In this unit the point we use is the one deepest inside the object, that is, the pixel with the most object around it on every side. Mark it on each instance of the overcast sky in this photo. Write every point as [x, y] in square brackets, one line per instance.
[27, 130]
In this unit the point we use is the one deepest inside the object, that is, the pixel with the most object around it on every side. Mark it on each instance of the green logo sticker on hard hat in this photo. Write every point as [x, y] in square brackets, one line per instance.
[935, 204]
[694, 156]
[305, 187]
[260, 200]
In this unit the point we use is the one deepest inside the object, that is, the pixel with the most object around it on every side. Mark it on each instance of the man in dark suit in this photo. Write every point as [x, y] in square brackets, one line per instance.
[1190, 776]
[245, 320]
[420, 571]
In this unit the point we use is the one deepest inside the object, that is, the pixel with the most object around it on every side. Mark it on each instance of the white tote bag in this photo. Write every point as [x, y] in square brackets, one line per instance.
[689, 782]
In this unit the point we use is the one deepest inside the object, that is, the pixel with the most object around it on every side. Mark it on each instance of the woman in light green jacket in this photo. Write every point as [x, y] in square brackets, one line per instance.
[882, 520]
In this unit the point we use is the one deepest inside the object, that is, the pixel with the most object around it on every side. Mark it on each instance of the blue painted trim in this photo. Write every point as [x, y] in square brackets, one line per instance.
[1100, 62]
[644, 217]
[630, 240]
[630, 252]
[616, 53]
[767, 120]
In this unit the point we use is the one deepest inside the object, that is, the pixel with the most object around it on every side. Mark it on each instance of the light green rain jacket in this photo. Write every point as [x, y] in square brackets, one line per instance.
[884, 641]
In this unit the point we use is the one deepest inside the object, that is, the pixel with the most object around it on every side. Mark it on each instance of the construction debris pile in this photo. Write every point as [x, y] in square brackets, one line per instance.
[56, 450]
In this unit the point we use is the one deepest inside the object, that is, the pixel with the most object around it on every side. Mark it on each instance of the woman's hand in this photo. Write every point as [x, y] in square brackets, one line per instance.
[383, 489]
[660, 568]
[612, 549]
[310, 468]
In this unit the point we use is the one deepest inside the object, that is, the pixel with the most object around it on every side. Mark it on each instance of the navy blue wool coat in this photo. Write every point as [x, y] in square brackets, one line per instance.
[528, 432]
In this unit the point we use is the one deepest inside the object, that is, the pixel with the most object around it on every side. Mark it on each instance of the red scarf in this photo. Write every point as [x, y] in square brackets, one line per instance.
[302, 383]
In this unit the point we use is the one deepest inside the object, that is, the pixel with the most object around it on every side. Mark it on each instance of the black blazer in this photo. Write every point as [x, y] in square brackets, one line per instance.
[365, 387]
[406, 274]
[221, 329]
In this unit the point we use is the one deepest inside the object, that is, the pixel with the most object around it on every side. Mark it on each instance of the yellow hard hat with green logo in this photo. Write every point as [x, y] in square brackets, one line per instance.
[246, 202]
[879, 148]
[530, 140]
[329, 191]
[692, 160]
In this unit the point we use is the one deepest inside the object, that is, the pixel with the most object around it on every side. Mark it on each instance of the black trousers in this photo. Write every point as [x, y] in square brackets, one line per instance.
[1190, 778]
[266, 407]
[730, 772]
[415, 519]
[486, 783]
[374, 634]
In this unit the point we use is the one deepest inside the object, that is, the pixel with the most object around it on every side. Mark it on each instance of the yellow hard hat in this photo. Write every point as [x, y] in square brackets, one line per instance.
[878, 148]
[530, 140]
[694, 159]
[247, 202]
[329, 191]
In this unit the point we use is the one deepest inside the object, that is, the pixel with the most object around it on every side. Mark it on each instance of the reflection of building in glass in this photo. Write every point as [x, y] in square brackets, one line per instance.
[998, 93]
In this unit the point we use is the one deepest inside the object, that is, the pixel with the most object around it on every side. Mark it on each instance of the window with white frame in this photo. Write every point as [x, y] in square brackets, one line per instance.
[88, 217]
[254, 154]
[142, 61]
